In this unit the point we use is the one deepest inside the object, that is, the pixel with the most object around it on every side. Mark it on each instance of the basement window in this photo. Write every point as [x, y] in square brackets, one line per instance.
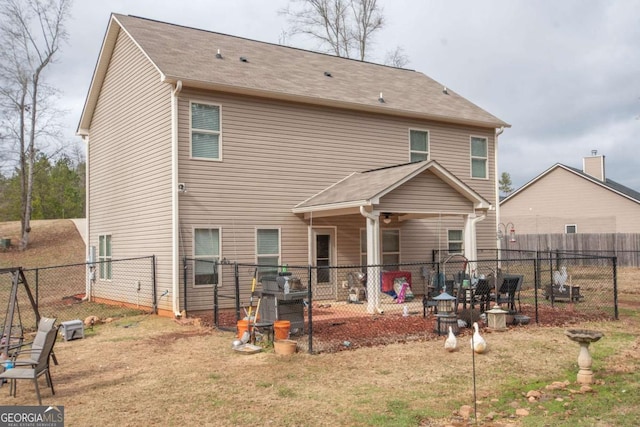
[570, 229]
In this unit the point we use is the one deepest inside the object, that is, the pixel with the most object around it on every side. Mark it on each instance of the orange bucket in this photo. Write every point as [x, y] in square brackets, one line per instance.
[243, 325]
[281, 329]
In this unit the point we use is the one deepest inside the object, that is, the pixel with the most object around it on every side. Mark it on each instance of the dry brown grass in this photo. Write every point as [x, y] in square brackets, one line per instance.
[154, 371]
[51, 242]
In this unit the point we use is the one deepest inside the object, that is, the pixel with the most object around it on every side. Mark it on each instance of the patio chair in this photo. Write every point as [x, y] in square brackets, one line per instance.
[28, 353]
[482, 294]
[508, 291]
[41, 367]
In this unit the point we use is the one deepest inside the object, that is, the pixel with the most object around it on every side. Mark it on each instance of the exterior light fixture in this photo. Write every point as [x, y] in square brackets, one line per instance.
[387, 218]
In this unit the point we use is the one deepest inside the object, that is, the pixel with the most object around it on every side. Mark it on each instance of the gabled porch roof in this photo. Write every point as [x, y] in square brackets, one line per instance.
[368, 190]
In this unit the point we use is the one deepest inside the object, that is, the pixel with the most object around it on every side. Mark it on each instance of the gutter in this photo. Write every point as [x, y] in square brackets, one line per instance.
[175, 249]
[497, 178]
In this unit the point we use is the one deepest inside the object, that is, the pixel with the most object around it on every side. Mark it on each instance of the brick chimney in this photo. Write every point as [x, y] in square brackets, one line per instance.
[594, 165]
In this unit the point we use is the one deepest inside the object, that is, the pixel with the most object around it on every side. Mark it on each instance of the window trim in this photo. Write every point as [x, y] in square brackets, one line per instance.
[196, 257]
[218, 132]
[461, 241]
[428, 152]
[472, 157]
[105, 264]
[363, 250]
[575, 227]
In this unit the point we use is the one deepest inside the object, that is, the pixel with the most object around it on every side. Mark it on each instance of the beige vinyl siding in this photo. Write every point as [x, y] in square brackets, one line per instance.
[130, 170]
[277, 155]
[425, 192]
[562, 197]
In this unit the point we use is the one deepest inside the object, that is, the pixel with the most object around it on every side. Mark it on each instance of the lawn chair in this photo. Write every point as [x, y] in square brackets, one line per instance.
[41, 367]
[508, 290]
[27, 354]
[482, 294]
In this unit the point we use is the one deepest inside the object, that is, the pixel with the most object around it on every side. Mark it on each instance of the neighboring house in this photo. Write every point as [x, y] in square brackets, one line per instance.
[211, 146]
[567, 200]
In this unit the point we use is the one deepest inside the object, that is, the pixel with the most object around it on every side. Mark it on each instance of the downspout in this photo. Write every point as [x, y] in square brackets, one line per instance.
[373, 261]
[175, 234]
[91, 268]
[497, 185]
[471, 249]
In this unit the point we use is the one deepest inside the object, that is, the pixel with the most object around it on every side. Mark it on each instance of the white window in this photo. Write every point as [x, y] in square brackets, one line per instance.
[206, 251]
[479, 157]
[104, 256]
[390, 247]
[418, 145]
[571, 229]
[455, 241]
[205, 131]
[267, 251]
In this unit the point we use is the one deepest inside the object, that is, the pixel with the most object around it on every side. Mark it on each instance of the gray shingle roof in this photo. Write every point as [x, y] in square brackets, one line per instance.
[189, 55]
[367, 187]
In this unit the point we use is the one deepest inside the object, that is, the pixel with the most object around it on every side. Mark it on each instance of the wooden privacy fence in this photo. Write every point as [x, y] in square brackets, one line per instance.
[624, 246]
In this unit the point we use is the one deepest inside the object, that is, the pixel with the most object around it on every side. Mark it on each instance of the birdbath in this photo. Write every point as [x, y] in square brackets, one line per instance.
[584, 337]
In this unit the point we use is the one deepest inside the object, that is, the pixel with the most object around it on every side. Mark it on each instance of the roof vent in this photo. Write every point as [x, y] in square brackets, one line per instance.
[328, 74]
[243, 59]
[381, 98]
[445, 91]
[594, 152]
[218, 54]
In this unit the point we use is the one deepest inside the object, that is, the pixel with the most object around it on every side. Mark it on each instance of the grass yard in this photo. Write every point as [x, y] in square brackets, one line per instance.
[147, 370]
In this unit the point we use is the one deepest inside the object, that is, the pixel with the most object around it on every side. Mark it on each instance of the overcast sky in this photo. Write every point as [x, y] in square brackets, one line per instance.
[565, 74]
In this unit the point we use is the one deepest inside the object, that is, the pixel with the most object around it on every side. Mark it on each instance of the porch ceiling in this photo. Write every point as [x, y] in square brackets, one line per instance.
[374, 190]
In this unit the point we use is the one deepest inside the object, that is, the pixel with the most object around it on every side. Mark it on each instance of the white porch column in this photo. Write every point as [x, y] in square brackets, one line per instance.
[373, 262]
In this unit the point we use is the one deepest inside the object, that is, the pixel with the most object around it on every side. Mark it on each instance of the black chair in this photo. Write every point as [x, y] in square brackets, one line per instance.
[482, 294]
[507, 292]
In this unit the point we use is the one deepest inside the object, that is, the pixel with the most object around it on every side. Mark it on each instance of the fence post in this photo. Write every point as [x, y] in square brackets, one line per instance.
[615, 286]
[215, 295]
[536, 282]
[154, 285]
[237, 284]
[310, 298]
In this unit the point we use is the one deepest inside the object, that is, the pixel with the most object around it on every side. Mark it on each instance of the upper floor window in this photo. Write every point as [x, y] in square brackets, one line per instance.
[205, 131]
[455, 241]
[479, 157]
[104, 256]
[571, 229]
[206, 251]
[418, 145]
[267, 251]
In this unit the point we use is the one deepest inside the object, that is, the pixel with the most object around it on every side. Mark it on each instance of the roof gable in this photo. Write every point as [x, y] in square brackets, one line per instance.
[269, 70]
[608, 184]
[368, 187]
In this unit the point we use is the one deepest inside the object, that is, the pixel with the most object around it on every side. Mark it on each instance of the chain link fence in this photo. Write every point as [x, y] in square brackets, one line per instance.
[60, 292]
[335, 308]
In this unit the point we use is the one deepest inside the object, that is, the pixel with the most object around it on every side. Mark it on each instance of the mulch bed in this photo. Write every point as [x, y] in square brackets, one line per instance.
[333, 331]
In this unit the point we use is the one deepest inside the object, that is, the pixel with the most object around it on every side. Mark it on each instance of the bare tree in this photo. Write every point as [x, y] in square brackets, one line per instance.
[396, 58]
[343, 27]
[31, 31]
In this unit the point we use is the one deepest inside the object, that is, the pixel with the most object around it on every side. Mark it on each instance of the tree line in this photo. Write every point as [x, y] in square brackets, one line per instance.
[58, 190]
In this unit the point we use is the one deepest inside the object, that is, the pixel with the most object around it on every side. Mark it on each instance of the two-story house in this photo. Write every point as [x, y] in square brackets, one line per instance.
[211, 146]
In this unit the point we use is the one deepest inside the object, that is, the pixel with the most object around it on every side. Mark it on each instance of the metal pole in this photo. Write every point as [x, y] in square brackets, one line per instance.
[615, 287]
[310, 299]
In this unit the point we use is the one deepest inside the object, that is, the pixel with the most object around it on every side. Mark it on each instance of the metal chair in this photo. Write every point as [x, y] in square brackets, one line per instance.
[28, 353]
[507, 292]
[482, 294]
[41, 367]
